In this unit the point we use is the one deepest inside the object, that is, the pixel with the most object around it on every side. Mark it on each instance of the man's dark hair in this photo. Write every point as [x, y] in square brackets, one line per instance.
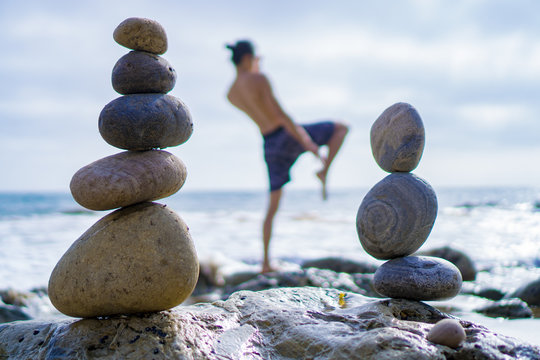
[240, 49]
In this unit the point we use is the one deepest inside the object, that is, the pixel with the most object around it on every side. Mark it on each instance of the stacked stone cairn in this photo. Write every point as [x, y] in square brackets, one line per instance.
[140, 257]
[398, 213]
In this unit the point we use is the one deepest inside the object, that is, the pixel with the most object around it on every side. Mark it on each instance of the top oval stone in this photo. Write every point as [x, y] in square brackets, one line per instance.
[398, 138]
[141, 34]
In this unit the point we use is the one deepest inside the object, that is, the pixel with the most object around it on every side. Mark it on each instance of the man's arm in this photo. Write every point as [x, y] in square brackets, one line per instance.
[297, 131]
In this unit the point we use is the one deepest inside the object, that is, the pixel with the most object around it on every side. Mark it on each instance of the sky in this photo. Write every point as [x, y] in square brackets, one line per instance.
[470, 67]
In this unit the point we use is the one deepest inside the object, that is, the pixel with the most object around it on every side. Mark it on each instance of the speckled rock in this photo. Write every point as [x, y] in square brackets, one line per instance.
[278, 324]
[456, 257]
[142, 72]
[137, 259]
[396, 216]
[145, 121]
[397, 138]
[141, 34]
[447, 332]
[418, 278]
[128, 178]
[530, 293]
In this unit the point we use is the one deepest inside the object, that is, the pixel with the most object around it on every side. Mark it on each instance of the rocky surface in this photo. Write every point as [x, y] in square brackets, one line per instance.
[128, 178]
[291, 323]
[145, 121]
[397, 138]
[141, 34]
[418, 278]
[396, 216]
[142, 72]
[136, 259]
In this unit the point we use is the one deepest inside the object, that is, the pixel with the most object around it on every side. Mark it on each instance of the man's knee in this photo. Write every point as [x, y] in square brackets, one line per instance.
[341, 128]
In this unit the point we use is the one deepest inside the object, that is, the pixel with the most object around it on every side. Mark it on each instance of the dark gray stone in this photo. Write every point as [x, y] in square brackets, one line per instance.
[397, 138]
[456, 257]
[530, 293]
[418, 278]
[142, 72]
[396, 216]
[340, 265]
[145, 121]
[10, 313]
[511, 309]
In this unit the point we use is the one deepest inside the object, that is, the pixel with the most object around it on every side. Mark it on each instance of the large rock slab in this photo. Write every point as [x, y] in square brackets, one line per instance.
[136, 259]
[398, 138]
[145, 121]
[141, 34]
[418, 278]
[128, 178]
[280, 324]
[396, 216]
[142, 72]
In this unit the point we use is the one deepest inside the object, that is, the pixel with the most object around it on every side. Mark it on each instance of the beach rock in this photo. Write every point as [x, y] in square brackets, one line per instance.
[397, 138]
[141, 34]
[136, 259]
[142, 72]
[418, 278]
[510, 309]
[447, 332]
[145, 121]
[15, 297]
[489, 293]
[279, 324]
[128, 178]
[396, 216]
[10, 313]
[530, 293]
[456, 257]
[340, 265]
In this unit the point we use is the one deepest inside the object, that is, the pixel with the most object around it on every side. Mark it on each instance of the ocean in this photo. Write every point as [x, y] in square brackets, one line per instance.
[499, 228]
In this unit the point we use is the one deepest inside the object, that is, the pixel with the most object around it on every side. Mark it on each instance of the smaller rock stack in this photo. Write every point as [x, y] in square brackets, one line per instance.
[398, 213]
[139, 258]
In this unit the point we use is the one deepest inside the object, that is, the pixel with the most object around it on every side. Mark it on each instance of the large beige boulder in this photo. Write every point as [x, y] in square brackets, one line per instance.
[128, 178]
[141, 34]
[136, 259]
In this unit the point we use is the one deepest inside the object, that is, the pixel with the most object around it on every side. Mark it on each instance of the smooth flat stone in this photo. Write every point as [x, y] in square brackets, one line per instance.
[396, 216]
[128, 178]
[418, 278]
[137, 259]
[145, 121]
[142, 72]
[398, 138]
[141, 34]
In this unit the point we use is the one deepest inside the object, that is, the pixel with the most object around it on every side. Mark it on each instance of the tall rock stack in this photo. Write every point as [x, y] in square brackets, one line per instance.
[139, 258]
[397, 214]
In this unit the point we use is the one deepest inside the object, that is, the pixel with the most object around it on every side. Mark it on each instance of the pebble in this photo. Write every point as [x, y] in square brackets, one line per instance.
[398, 138]
[128, 178]
[136, 259]
[418, 278]
[396, 216]
[142, 72]
[448, 332]
[145, 121]
[141, 34]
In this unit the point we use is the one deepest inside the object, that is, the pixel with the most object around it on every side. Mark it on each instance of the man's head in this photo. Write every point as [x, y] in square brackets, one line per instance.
[240, 49]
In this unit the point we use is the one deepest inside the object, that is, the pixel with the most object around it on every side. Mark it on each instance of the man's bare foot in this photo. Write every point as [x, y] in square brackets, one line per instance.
[321, 174]
[267, 269]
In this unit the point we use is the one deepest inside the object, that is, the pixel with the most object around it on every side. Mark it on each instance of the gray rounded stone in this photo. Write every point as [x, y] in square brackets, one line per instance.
[418, 278]
[128, 178]
[396, 216]
[448, 332]
[145, 121]
[141, 34]
[398, 138]
[530, 293]
[456, 257]
[136, 259]
[142, 72]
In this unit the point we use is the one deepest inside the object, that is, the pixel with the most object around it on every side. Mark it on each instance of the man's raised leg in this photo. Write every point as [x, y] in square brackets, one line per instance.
[273, 206]
[334, 144]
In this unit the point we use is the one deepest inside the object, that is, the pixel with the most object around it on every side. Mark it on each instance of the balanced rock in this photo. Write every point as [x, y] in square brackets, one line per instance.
[141, 34]
[397, 138]
[128, 178]
[456, 257]
[418, 278]
[448, 332]
[142, 72]
[145, 121]
[137, 259]
[396, 216]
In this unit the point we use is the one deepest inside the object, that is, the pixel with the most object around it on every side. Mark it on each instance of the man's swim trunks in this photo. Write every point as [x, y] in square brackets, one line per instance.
[281, 150]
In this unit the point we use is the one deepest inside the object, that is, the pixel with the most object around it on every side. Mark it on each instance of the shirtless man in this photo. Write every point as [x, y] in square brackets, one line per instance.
[284, 140]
